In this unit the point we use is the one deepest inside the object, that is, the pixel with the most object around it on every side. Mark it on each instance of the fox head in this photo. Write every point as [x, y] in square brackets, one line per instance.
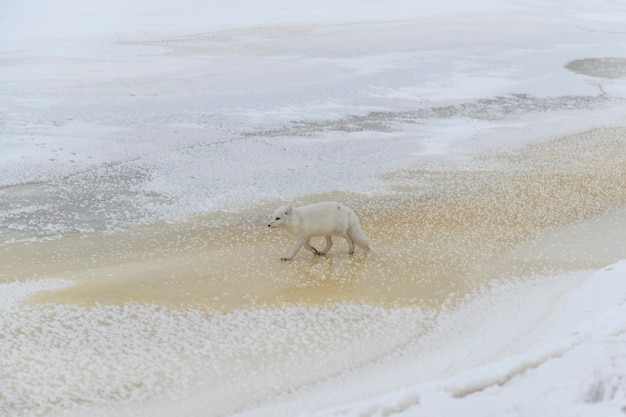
[280, 216]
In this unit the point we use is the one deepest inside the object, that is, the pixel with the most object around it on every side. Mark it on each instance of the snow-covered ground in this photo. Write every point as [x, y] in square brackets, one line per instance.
[123, 113]
[540, 347]
[176, 106]
[577, 369]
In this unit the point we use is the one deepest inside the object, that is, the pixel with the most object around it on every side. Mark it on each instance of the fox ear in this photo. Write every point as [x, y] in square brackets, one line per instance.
[288, 211]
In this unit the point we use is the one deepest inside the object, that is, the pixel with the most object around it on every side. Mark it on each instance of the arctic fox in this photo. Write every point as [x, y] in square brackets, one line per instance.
[321, 219]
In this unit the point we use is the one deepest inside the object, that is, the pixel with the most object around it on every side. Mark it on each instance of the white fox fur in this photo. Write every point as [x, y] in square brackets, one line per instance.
[322, 219]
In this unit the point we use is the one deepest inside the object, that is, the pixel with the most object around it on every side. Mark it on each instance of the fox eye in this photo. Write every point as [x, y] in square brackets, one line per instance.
[277, 218]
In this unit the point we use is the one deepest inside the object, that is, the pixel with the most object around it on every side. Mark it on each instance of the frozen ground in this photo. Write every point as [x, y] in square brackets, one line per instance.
[109, 124]
[540, 347]
[117, 115]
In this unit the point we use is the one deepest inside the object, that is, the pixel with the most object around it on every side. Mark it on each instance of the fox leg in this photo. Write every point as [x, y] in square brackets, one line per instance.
[329, 244]
[307, 245]
[350, 244]
[294, 250]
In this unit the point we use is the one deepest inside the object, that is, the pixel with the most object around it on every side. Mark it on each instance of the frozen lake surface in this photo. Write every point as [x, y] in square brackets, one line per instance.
[142, 147]
[143, 121]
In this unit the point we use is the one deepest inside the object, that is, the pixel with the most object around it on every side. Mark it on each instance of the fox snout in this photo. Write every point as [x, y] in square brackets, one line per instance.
[275, 222]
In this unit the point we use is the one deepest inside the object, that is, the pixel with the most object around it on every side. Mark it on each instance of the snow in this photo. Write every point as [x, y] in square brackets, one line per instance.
[576, 369]
[323, 73]
[494, 355]
[133, 353]
[124, 113]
